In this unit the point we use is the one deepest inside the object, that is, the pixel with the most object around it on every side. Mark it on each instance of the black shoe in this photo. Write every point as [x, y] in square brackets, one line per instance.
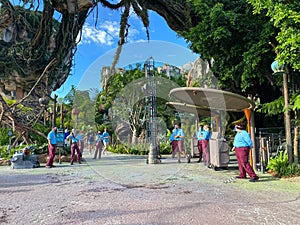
[179, 161]
[53, 166]
[71, 163]
[254, 179]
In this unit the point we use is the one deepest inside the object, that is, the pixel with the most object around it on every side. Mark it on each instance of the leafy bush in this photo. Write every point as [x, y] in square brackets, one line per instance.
[165, 148]
[123, 149]
[281, 167]
[39, 140]
[4, 138]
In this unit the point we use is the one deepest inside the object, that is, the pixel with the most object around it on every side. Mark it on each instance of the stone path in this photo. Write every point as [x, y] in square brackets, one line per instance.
[125, 190]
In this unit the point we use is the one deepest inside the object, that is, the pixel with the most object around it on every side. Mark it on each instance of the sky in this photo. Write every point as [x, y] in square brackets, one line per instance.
[99, 41]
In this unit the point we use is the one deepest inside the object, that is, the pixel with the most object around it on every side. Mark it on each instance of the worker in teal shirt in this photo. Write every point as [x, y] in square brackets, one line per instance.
[242, 144]
[178, 139]
[74, 147]
[203, 136]
[172, 142]
[105, 137]
[52, 141]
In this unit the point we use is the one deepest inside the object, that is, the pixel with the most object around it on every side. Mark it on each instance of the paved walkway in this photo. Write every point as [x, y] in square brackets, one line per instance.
[121, 189]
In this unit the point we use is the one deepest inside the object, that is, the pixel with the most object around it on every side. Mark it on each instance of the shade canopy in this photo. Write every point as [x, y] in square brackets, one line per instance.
[183, 107]
[211, 99]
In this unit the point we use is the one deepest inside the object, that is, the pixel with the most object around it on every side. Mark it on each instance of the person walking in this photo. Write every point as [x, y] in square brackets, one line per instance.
[52, 141]
[178, 138]
[203, 136]
[242, 144]
[172, 143]
[99, 145]
[90, 137]
[105, 137]
[74, 147]
[80, 138]
[199, 136]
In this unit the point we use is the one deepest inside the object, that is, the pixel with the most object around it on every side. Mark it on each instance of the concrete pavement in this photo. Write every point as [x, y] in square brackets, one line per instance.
[121, 189]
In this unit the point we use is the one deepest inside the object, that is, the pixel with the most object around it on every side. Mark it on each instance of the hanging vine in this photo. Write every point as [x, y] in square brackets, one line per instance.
[37, 50]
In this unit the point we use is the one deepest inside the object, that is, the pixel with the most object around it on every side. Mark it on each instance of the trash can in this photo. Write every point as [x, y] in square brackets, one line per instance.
[194, 148]
[219, 151]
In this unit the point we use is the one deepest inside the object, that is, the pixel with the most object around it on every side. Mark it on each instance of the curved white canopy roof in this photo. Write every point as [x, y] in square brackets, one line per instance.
[211, 99]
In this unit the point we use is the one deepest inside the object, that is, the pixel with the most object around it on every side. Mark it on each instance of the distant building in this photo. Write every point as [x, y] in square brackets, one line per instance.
[169, 70]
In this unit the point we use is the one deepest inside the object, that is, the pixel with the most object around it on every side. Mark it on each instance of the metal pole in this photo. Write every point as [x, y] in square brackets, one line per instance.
[252, 134]
[287, 119]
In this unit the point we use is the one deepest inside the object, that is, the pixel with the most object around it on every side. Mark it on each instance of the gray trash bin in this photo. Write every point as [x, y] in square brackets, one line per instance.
[194, 148]
[219, 151]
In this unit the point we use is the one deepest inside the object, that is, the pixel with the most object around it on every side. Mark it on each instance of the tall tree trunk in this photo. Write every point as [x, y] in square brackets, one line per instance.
[296, 150]
[134, 139]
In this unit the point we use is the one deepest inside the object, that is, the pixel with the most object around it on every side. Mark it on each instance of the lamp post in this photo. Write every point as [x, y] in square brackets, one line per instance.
[279, 69]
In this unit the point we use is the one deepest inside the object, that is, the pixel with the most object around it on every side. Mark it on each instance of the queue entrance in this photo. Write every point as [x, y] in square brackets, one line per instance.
[212, 103]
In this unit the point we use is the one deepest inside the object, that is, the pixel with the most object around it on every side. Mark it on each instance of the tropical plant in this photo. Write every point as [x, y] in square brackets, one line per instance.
[235, 39]
[279, 165]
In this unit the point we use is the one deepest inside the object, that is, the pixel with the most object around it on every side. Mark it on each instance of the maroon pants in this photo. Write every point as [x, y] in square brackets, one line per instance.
[242, 156]
[200, 149]
[74, 147]
[203, 149]
[51, 150]
[173, 148]
[178, 146]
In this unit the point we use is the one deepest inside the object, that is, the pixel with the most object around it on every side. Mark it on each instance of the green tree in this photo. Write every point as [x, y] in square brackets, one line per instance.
[124, 96]
[285, 17]
[236, 40]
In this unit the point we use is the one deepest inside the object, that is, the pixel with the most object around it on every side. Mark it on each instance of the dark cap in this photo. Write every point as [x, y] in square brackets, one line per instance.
[240, 126]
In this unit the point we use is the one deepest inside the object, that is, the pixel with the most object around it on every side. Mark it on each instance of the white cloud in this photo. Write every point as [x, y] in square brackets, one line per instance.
[106, 35]
[111, 27]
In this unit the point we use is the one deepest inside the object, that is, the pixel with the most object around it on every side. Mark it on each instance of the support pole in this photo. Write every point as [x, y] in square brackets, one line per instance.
[287, 119]
[250, 119]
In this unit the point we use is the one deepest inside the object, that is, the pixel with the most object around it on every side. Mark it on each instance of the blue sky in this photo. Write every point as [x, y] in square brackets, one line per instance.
[99, 41]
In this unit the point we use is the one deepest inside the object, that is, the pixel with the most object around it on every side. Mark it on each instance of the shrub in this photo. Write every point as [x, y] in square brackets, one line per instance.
[165, 148]
[4, 138]
[123, 149]
[280, 166]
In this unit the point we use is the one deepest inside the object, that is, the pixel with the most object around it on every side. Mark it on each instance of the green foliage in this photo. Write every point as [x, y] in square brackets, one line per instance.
[4, 153]
[273, 108]
[133, 150]
[139, 149]
[281, 167]
[39, 140]
[165, 148]
[285, 16]
[4, 138]
[123, 96]
[228, 32]
[296, 100]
